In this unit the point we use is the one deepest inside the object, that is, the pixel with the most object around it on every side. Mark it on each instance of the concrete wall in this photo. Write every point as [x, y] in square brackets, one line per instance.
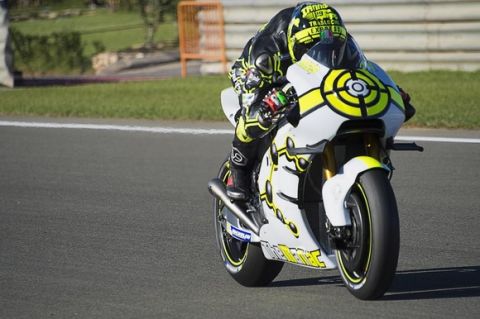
[6, 77]
[399, 34]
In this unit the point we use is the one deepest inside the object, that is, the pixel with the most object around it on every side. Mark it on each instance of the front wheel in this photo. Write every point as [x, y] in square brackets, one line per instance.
[243, 260]
[368, 259]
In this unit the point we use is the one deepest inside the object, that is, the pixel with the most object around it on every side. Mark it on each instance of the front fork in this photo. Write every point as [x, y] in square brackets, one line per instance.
[337, 183]
[372, 149]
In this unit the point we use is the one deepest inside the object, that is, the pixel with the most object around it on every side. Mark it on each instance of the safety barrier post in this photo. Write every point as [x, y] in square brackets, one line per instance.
[201, 32]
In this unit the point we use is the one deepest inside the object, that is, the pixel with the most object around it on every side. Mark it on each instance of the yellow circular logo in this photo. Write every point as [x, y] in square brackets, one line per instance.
[355, 93]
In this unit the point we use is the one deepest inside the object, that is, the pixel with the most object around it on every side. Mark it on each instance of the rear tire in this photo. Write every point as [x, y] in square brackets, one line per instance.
[244, 261]
[368, 262]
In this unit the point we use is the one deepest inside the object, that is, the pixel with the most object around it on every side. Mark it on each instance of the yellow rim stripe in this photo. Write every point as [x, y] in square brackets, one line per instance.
[369, 224]
[233, 262]
[339, 259]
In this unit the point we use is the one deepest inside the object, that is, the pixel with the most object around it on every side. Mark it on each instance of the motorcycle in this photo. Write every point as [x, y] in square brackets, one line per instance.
[321, 193]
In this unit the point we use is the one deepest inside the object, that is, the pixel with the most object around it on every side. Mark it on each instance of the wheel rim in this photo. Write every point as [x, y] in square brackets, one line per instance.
[354, 259]
[233, 250]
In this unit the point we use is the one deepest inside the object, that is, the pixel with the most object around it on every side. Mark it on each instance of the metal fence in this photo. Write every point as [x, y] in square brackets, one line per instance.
[201, 32]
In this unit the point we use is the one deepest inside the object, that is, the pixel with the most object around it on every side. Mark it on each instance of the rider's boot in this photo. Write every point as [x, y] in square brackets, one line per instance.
[242, 159]
[238, 184]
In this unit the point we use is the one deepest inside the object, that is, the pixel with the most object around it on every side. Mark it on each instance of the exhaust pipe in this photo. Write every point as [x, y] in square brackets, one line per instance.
[217, 189]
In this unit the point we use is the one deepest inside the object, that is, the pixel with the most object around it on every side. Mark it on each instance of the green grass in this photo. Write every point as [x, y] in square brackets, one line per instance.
[190, 99]
[442, 99]
[102, 19]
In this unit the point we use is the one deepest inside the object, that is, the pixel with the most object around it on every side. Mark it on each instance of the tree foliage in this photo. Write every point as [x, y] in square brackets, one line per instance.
[153, 13]
[41, 54]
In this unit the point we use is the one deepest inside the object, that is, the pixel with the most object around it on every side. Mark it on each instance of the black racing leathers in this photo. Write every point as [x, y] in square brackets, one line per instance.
[261, 67]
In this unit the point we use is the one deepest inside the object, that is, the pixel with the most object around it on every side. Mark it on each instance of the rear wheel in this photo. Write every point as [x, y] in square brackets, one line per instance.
[243, 260]
[368, 260]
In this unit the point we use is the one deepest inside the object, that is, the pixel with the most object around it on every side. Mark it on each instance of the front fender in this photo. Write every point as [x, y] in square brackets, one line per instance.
[336, 189]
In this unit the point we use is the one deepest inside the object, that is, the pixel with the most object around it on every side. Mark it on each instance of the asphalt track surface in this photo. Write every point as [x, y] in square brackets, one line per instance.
[111, 224]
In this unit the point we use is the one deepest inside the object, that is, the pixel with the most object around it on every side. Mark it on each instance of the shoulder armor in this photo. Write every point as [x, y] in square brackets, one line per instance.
[264, 63]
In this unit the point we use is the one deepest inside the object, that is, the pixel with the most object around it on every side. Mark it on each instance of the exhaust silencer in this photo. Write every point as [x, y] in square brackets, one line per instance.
[217, 189]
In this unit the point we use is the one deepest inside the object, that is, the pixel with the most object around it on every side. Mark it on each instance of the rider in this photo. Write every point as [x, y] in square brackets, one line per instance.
[262, 67]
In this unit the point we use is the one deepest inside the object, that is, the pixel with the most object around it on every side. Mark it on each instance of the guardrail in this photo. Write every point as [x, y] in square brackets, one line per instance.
[404, 35]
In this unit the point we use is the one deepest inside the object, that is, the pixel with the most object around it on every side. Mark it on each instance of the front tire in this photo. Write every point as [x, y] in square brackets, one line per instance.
[244, 261]
[368, 260]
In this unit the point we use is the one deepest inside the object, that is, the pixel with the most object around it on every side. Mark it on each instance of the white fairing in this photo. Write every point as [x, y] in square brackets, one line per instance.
[287, 235]
[230, 104]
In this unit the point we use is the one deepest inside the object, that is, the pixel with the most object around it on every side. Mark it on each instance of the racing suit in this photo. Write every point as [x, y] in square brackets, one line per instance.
[261, 67]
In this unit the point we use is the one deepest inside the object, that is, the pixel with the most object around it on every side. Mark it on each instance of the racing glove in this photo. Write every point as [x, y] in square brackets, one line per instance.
[272, 107]
[409, 109]
[275, 101]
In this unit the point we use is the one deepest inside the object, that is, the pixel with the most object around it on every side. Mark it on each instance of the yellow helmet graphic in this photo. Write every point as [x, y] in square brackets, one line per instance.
[316, 23]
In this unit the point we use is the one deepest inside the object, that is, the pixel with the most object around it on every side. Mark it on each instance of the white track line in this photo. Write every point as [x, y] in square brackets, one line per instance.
[193, 131]
[108, 127]
[438, 139]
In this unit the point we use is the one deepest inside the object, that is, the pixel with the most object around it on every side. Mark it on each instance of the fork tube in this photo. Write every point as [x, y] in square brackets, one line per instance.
[329, 165]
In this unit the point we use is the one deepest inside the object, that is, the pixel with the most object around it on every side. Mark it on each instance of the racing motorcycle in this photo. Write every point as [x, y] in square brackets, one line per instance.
[321, 193]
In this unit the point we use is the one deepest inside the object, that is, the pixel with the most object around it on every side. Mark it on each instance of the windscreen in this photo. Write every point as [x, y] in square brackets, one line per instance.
[345, 55]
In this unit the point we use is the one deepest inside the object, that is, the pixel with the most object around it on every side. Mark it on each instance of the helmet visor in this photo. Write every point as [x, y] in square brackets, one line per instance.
[305, 39]
[329, 54]
[299, 49]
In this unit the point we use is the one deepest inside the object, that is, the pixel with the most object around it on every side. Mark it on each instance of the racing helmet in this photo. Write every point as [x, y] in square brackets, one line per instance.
[317, 24]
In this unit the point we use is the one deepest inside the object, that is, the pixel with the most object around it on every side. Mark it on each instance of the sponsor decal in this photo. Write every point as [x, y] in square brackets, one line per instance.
[240, 234]
[309, 66]
[326, 37]
[238, 158]
[294, 255]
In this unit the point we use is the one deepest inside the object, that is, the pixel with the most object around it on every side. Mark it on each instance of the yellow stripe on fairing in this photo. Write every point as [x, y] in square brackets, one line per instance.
[396, 97]
[310, 100]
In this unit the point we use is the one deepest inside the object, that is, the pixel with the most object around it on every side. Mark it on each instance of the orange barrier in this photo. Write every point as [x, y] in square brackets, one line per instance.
[200, 32]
